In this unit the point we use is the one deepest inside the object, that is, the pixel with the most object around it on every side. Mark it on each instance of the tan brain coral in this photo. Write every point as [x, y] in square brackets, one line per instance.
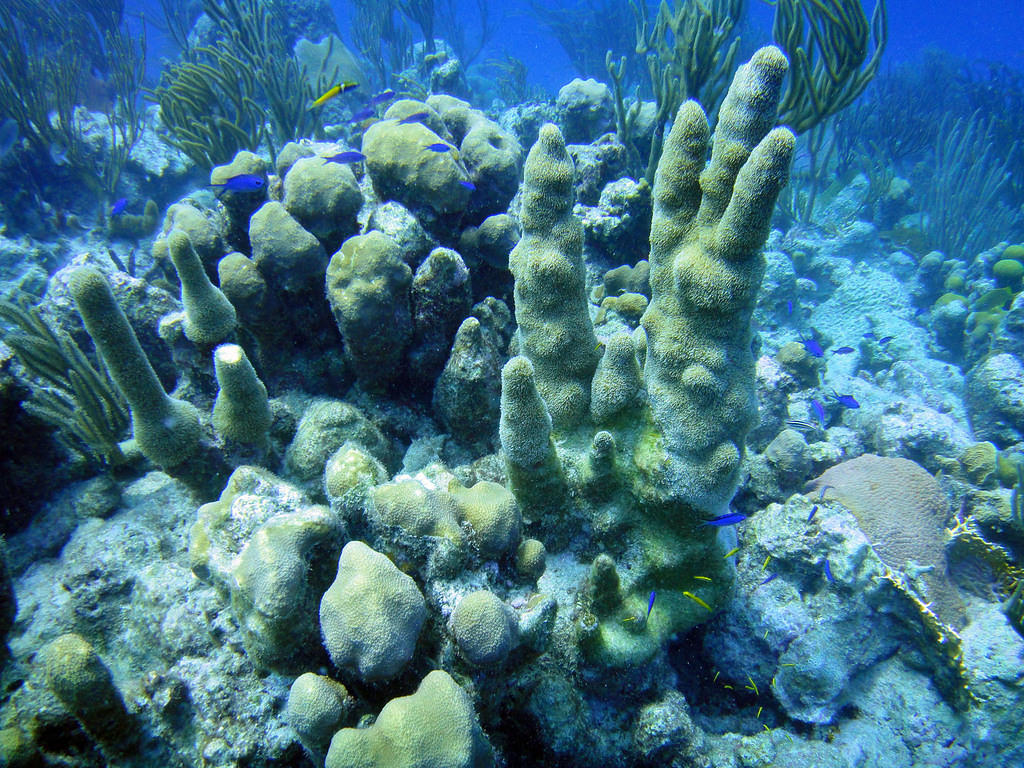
[902, 510]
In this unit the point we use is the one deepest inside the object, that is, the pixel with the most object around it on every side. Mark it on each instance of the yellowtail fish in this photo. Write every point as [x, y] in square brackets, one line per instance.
[338, 89]
[697, 600]
[730, 553]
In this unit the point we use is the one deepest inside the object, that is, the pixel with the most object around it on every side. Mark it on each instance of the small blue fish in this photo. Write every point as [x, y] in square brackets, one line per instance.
[886, 339]
[813, 347]
[843, 351]
[770, 578]
[415, 117]
[349, 156]
[730, 518]
[814, 511]
[821, 495]
[119, 206]
[847, 401]
[869, 335]
[362, 114]
[650, 604]
[380, 98]
[828, 572]
[819, 411]
[789, 307]
[243, 182]
[468, 185]
[439, 146]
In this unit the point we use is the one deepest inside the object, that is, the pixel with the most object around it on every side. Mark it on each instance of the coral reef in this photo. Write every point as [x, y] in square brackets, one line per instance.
[443, 457]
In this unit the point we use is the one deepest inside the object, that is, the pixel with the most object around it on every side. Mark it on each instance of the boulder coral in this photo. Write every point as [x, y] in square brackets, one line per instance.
[434, 726]
[368, 290]
[903, 512]
[271, 552]
[404, 168]
[371, 616]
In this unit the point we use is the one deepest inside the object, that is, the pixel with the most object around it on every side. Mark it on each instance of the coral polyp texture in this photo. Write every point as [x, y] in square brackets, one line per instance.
[673, 463]
[709, 226]
[166, 429]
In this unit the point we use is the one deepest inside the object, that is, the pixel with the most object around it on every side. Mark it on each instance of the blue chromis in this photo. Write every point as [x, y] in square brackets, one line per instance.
[819, 412]
[336, 90]
[243, 182]
[439, 146]
[380, 98]
[813, 347]
[843, 351]
[415, 117]
[119, 206]
[828, 572]
[847, 401]
[350, 156]
[730, 518]
[650, 603]
[362, 114]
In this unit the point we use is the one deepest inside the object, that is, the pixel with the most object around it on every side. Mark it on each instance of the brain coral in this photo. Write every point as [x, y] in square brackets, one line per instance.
[903, 512]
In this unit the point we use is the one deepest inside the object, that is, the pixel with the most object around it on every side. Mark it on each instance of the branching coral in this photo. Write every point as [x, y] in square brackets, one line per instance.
[690, 52]
[827, 43]
[256, 36]
[422, 13]
[210, 108]
[451, 25]
[42, 62]
[382, 36]
[219, 101]
[960, 209]
[666, 466]
[586, 30]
